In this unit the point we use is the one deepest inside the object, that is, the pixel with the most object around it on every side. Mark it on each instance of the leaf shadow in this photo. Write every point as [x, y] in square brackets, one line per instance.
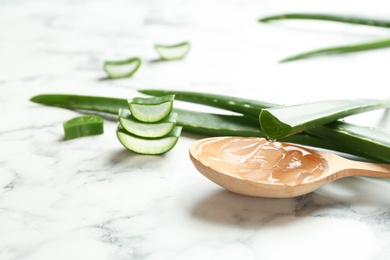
[157, 61]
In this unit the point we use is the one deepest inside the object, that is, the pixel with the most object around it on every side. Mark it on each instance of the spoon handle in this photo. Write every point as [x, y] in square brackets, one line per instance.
[368, 169]
[342, 167]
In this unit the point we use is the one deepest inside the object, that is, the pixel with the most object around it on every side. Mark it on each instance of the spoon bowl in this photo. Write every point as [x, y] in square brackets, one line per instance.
[228, 161]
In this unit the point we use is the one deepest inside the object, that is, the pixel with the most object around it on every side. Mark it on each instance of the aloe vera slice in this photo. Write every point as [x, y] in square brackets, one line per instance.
[172, 52]
[152, 146]
[279, 122]
[83, 126]
[122, 68]
[149, 130]
[151, 109]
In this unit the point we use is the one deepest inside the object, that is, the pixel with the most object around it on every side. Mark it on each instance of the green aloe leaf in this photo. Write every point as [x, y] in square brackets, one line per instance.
[282, 121]
[80, 102]
[365, 46]
[236, 125]
[329, 17]
[234, 104]
[367, 142]
[325, 137]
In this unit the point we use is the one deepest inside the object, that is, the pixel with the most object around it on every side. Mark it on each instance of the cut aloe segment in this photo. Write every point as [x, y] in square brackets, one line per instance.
[151, 146]
[173, 52]
[83, 126]
[149, 130]
[151, 110]
[123, 68]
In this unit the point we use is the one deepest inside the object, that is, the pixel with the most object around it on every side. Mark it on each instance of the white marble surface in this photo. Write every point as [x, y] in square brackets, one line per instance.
[91, 199]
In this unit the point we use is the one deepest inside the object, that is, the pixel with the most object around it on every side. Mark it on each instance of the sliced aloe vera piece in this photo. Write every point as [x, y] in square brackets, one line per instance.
[172, 52]
[151, 146]
[149, 130]
[83, 126]
[279, 122]
[122, 68]
[151, 110]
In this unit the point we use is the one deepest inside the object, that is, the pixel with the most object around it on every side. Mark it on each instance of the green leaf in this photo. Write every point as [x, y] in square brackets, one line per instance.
[234, 104]
[283, 121]
[213, 124]
[210, 124]
[329, 17]
[367, 142]
[372, 45]
[90, 103]
[378, 44]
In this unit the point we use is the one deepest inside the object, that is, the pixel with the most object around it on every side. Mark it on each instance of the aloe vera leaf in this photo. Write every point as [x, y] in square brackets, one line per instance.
[151, 109]
[210, 124]
[208, 127]
[91, 103]
[152, 146]
[282, 121]
[329, 17]
[199, 121]
[378, 44]
[82, 126]
[367, 142]
[207, 124]
[326, 133]
[148, 130]
[239, 105]
[383, 43]
[173, 52]
[122, 68]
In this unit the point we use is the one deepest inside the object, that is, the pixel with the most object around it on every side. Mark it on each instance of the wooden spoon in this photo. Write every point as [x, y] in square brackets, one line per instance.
[213, 157]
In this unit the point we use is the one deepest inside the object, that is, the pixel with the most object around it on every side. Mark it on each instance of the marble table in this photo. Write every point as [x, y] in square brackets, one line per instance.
[89, 198]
